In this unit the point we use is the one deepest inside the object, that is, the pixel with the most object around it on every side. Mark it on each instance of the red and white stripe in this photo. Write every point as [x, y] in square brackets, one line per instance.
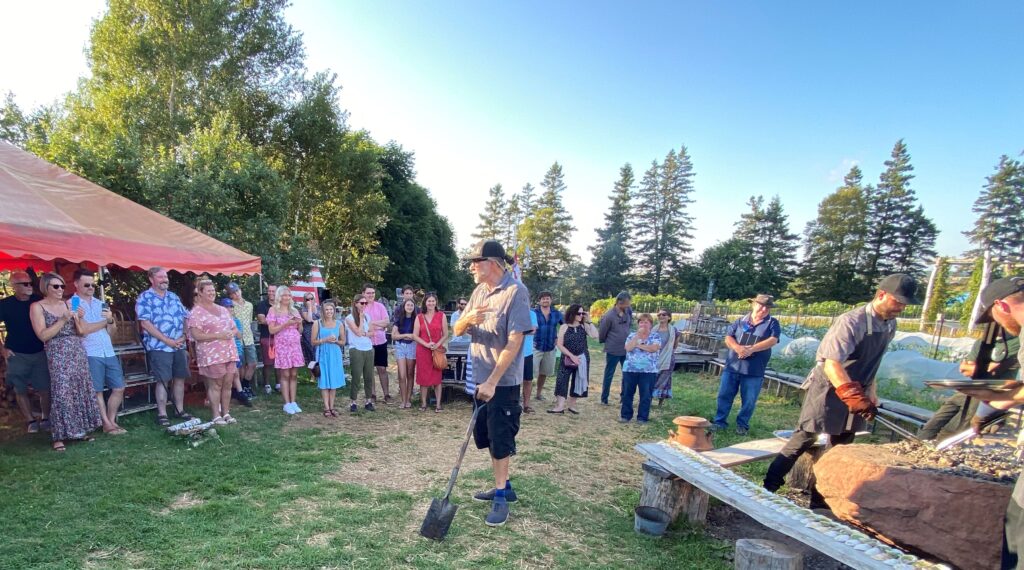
[315, 283]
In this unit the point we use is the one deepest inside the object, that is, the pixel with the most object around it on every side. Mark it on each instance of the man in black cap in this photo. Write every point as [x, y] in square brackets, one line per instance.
[840, 390]
[1002, 302]
[750, 340]
[496, 318]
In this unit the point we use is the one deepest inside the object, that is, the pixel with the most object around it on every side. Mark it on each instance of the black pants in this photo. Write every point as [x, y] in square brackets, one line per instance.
[950, 409]
[1013, 535]
[798, 444]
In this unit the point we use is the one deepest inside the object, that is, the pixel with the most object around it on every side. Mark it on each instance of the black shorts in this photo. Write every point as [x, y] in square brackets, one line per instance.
[498, 422]
[527, 368]
[380, 355]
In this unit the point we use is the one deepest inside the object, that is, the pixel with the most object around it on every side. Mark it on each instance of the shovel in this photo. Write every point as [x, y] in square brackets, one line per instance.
[441, 512]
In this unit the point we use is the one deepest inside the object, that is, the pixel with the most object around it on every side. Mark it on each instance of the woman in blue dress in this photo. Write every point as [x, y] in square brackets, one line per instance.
[328, 337]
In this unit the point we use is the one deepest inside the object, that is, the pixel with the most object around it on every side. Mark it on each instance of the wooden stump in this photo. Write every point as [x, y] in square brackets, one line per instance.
[663, 490]
[756, 554]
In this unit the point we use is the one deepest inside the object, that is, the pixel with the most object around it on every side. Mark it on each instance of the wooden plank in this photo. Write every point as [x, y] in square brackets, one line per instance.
[768, 509]
[745, 452]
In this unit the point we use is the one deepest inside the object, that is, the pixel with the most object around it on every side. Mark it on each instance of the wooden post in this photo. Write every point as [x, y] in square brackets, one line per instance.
[665, 491]
[757, 554]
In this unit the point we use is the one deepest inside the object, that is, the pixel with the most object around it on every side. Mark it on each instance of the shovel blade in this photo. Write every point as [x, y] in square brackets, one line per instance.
[439, 519]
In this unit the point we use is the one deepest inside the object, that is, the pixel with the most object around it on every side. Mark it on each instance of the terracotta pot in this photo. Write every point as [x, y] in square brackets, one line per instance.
[693, 432]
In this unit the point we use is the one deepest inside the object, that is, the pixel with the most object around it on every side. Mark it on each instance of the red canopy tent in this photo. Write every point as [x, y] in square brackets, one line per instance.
[47, 213]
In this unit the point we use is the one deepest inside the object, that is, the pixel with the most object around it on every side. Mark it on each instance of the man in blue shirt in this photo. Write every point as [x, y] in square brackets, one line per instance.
[548, 319]
[750, 340]
[162, 318]
[104, 366]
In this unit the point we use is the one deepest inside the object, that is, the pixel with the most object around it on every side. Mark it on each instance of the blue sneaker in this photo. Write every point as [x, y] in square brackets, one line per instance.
[485, 496]
[498, 514]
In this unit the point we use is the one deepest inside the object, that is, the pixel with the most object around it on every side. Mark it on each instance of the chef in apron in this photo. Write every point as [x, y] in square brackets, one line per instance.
[840, 391]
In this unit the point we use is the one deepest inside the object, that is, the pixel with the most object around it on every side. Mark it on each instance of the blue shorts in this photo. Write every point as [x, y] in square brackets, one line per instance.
[167, 366]
[106, 373]
[406, 350]
[248, 355]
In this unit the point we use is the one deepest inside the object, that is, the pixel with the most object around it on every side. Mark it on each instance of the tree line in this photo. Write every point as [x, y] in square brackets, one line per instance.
[205, 112]
[862, 232]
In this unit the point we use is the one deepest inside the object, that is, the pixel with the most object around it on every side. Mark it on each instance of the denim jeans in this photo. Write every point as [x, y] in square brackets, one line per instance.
[610, 362]
[749, 388]
[631, 381]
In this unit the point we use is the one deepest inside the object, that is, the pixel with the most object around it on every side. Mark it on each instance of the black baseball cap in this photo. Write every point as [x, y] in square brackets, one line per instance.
[901, 286]
[488, 249]
[994, 291]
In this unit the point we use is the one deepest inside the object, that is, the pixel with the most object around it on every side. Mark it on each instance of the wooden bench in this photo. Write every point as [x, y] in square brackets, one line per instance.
[680, 481]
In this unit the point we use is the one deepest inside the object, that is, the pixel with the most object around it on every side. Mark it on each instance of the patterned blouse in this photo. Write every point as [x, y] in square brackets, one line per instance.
[640, 361]
[209, 352]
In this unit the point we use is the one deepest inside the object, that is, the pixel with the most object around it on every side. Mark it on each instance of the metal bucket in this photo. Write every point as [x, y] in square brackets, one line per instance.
[650, 521]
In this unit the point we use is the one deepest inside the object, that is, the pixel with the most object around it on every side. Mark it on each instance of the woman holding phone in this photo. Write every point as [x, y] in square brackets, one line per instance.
[286, 326]
[73, 408]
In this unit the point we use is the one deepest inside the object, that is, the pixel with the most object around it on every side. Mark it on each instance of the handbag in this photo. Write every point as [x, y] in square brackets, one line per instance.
[439, 354]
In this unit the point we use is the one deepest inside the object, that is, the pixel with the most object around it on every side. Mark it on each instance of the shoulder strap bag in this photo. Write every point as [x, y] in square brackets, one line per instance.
[439, 354]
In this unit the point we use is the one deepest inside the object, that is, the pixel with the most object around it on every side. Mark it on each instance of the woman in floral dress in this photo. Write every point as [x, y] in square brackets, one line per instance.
[214, 331]
[74, 412]
[285, 324]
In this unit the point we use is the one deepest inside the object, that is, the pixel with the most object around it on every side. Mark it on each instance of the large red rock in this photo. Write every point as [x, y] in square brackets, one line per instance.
[951, 517]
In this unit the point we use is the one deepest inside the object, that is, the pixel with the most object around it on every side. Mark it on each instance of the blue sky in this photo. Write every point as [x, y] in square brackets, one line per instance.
[769, 98]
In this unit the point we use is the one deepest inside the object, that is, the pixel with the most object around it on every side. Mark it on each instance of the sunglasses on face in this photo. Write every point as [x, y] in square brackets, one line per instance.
[57, 285]
[362, 303]
[88, 285]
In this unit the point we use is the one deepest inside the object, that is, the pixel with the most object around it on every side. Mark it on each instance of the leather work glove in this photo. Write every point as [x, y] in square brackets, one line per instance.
[852, 394]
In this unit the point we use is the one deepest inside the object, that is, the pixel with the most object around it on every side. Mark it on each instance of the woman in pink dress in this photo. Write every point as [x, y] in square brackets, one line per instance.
[429, 332]
[214, 331]
[286, 325]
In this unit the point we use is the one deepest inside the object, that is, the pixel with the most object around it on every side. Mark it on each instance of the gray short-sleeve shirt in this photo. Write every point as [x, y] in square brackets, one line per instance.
[511, 302]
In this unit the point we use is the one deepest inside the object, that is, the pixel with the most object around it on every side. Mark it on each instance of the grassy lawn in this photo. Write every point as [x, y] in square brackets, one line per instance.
[312, 492]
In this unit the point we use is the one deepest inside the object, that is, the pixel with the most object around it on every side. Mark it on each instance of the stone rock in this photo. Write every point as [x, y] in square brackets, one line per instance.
[956, 519]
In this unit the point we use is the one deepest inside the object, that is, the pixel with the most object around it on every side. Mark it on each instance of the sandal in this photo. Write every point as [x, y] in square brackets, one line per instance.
[163, 421]
[116, 431]
[437, 410]
[58, 446]
[229, 419]
[573, 412]
[334, 413]
[182, 414]
[423, 408]
[327, 413]
[556, 411]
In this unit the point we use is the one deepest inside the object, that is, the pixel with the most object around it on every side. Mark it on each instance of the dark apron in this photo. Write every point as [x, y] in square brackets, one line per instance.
[823, 411]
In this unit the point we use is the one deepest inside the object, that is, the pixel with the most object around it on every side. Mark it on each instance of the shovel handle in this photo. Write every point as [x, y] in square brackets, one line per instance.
[462, 454]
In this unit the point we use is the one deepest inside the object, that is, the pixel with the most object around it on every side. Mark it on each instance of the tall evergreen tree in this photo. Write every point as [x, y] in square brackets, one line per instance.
[512, 218]
[999, 227]
[492, 220]
[900, 238]
[834, 245]
[664, 240]
[546, 233]
[765, 232]
[611, 264]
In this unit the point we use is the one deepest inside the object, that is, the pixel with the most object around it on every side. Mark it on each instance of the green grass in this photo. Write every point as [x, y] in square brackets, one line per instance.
[262, 499]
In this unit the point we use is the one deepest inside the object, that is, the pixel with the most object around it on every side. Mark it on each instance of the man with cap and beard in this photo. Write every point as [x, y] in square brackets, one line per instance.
[1002, 302]
[497, 319]
[841, 394]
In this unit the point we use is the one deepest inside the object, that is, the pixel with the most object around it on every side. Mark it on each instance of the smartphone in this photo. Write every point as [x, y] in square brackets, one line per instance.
[104, 306]
[75, 302]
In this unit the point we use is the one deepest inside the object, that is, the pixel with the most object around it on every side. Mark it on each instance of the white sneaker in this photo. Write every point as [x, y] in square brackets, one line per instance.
[288, 409]
[267, 389]
[295, 406]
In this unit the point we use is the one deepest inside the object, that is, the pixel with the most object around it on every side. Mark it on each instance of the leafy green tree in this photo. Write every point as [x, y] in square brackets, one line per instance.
[765, 230]
[611, 264]
[999, 227]
[729, 266]
[546, 233]
[492, 220]
[13, 123]
[834, 246]
[663, 221]
[900, 238]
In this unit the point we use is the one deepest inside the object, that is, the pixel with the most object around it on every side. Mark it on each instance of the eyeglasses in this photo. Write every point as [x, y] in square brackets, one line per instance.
[664, 315]
[309, 298]
[57, 285]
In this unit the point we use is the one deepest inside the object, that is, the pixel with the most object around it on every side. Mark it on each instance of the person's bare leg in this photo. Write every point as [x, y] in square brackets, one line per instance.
[402, 373]
[559, 404]
[161, 399]
[225, 393]
[423, 397]
[540, 384]
[104, 415]
[410, 379]
[527, 390]
[25, 407]
[213, 397]
[114, 404]
[44, 405]
[437, 396]
[572, 402]
[178, 388]
[385, 381]
[500, 468]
